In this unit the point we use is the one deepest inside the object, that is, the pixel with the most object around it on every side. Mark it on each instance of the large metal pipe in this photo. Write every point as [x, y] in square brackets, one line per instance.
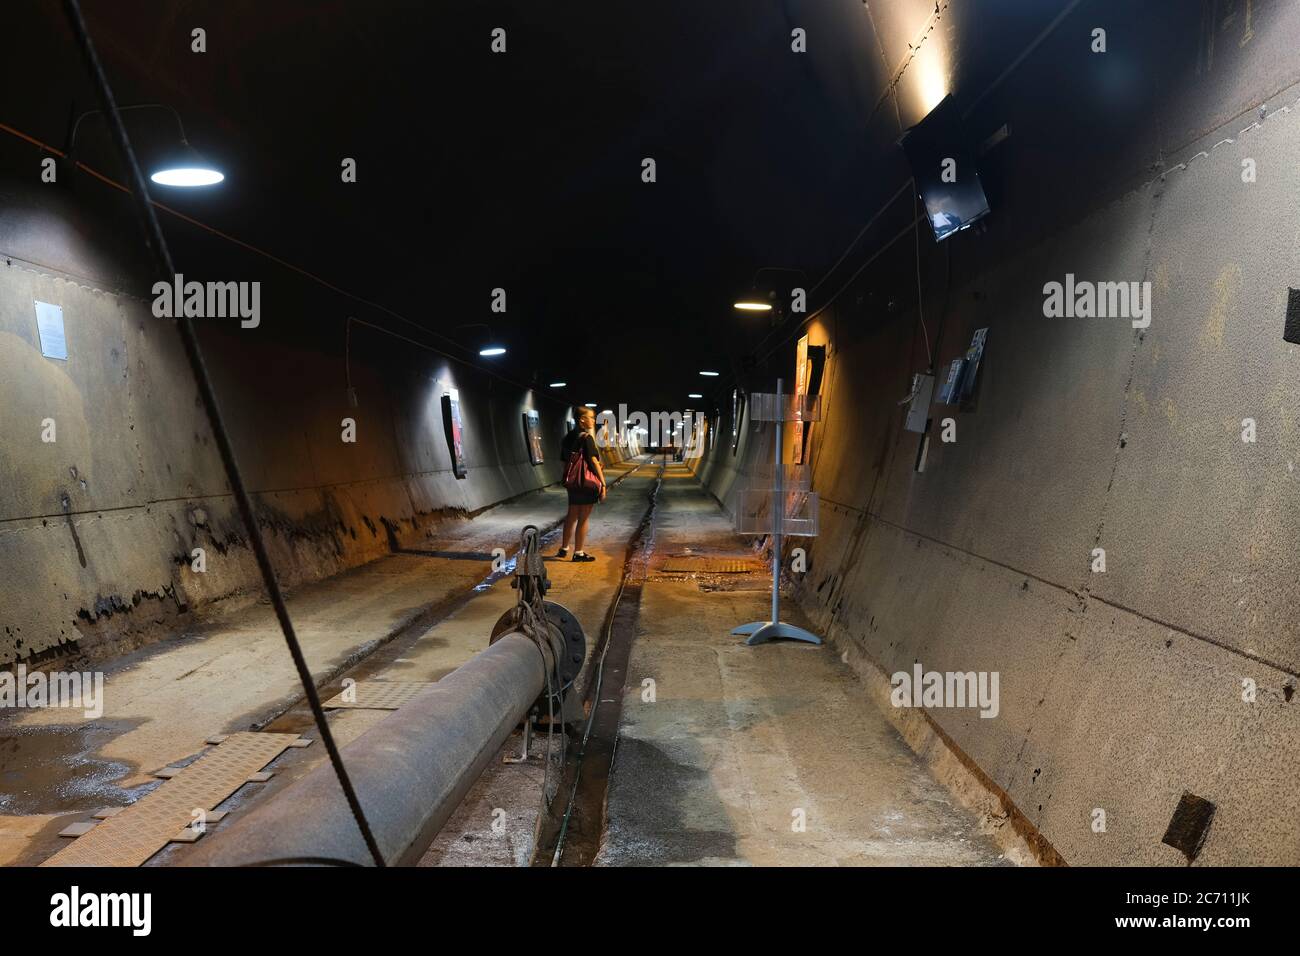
[410, 771]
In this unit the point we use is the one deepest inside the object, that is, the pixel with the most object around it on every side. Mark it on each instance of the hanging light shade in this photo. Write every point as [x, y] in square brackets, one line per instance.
[184, 167]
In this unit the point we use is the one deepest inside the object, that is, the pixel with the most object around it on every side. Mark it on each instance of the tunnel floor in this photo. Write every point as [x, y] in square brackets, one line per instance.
[768, 755]
[725, 754]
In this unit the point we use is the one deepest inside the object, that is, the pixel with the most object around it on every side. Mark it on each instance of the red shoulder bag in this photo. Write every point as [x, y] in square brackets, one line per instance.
[578, 475]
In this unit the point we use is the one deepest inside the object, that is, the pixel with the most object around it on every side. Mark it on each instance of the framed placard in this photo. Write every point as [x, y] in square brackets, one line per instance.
[737, 410]
[49, 325]
[533, 436]
[972, 366]
[455, 436]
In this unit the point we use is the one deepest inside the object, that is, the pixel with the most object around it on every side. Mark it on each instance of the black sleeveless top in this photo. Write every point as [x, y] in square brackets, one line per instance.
[575, 439]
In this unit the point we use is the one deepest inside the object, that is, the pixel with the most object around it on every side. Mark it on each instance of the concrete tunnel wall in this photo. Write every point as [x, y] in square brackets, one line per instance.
[96, 528]
[1119, 690]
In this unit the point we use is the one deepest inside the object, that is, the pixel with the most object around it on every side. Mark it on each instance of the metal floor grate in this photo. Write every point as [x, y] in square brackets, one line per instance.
[703, 565]
[139, 831]
[380, 694]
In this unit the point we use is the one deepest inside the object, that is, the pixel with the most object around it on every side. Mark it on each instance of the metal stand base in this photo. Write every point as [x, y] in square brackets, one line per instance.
[760, 632]
[525, 756]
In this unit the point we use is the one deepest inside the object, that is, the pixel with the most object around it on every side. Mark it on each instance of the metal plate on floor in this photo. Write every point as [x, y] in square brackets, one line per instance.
[703, 565]
[139, 831]
[736, 584]
[379, 694]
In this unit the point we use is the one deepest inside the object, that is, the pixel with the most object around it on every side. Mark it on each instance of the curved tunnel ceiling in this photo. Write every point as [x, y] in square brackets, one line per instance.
[523, 170]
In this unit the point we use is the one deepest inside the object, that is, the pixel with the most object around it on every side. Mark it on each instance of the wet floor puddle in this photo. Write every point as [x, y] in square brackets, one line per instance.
[55, 769]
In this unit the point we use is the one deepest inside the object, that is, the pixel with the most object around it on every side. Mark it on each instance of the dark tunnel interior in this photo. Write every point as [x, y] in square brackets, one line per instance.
[395, 442]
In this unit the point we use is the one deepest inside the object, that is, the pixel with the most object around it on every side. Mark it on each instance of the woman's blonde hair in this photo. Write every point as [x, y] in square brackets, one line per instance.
[584, 410]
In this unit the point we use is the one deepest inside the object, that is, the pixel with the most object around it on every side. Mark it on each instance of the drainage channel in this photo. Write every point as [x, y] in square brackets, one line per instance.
[570, 835]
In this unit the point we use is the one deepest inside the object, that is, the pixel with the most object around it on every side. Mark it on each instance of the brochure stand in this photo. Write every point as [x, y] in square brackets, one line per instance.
[764, 510]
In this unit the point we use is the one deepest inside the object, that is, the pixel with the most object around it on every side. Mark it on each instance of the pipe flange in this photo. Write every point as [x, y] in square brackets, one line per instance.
[573, 643]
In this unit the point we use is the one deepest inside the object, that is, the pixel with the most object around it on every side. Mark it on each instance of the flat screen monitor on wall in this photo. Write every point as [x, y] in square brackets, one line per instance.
[945, 172]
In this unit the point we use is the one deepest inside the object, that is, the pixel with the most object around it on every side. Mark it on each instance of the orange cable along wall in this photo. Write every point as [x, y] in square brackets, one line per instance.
[19, 134]
[180, 215]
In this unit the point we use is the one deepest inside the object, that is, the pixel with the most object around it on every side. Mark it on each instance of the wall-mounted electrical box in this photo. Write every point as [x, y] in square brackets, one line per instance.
[918, 410]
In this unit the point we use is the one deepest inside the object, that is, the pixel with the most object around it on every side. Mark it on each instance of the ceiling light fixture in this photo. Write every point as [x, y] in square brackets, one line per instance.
[760, 300]
[558, 384]
[187, 176]
[489, 346]
[710, 374]
[180, 166]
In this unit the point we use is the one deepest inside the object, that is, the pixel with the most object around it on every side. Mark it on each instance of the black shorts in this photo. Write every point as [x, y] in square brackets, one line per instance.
[581, 497]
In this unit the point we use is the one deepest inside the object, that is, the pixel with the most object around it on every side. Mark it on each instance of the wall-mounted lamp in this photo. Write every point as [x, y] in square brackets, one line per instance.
[756, 300]
[180, 165]
[489, 347]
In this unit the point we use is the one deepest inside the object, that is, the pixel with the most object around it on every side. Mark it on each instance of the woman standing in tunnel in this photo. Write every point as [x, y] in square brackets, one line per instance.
[585, 480]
